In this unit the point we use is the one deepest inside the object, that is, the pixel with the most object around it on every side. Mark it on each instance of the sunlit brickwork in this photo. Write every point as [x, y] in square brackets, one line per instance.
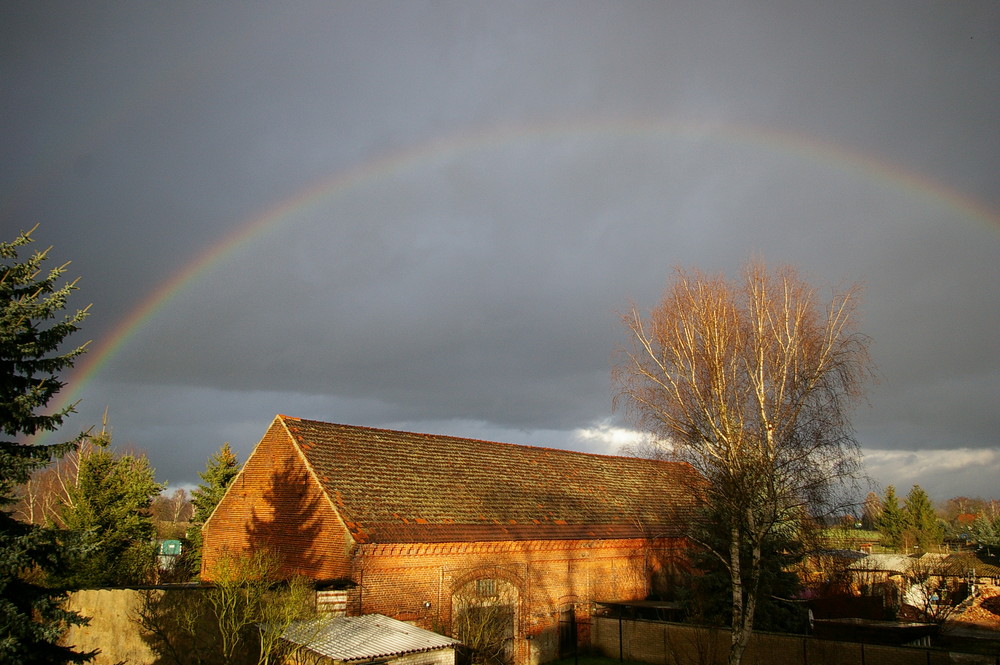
[284, 503]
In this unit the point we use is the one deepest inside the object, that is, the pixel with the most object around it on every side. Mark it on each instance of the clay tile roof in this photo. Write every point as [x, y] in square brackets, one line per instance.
[402, 487]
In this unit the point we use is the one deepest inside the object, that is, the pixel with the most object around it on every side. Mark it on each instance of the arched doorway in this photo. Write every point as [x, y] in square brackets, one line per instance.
[484, 614]
[568, 640]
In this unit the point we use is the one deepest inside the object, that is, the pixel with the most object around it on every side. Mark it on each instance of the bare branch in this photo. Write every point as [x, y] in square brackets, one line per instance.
[751, 381]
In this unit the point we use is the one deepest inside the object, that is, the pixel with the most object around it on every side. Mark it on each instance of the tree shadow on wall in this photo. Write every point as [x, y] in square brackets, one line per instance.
[288, 524]
[177, 626]
[218, 623]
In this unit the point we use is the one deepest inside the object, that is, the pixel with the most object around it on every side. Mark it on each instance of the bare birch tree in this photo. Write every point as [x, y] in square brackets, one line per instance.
[48, 491]
[751, 381]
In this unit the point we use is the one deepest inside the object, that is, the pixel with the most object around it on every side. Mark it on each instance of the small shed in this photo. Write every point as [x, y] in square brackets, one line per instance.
[170, 548]
[167, 554]
[370, 638]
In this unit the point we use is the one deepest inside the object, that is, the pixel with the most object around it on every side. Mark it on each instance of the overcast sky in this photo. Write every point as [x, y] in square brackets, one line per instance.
[427, 215]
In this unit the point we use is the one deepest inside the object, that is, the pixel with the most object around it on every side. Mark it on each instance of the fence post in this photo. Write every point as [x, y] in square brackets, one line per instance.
[621, 643]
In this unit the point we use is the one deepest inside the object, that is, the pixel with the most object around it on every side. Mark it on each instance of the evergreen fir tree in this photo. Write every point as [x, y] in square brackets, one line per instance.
[892, 523]
[984, 531]
[33, 329]
[922, 520]
[707, 593]
[219, 473]
[109, 512]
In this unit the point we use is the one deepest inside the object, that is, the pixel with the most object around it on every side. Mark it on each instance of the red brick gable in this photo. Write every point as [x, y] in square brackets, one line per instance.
[275, 504]
[403, 487]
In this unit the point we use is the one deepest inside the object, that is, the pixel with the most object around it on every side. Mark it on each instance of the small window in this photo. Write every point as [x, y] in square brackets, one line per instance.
[486, 588]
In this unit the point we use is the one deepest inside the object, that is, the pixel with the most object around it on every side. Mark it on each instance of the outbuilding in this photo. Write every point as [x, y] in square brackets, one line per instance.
[444, 532]
[372, 638]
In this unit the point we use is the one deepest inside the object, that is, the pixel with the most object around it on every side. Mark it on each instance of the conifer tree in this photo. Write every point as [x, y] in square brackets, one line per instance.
[33, 329]
[109, 512]
[985, 531]
[708, 591]
[219, 472]
[221, 469]
[921, 518]
[892, 523]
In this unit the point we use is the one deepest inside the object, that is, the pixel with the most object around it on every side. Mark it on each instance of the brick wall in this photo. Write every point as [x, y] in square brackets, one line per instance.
[274, 504]
[418, 583]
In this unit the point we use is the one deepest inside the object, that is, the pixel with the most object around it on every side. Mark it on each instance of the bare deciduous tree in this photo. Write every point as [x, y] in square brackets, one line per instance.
[871, 511]
[751, 382]
[47, 493]
[175, 507]
[241, 586]
[933, 586]
[172, 514]
[292, 603]
[239, 620]
[484, 620]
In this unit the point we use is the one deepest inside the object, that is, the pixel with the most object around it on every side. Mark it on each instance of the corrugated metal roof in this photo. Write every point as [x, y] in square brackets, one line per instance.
[893, 563]
[363, 637]
[938, 564]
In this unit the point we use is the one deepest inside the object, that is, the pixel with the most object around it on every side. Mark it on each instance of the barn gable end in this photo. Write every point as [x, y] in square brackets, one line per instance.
[277, 504]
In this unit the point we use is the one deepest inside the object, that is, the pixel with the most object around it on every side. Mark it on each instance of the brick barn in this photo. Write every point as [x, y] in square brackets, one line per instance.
[438, 530]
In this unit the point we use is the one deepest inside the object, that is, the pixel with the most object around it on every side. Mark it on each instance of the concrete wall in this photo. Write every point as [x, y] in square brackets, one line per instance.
[119, 638]
[439, 657]
[679, 644]
[111, 627]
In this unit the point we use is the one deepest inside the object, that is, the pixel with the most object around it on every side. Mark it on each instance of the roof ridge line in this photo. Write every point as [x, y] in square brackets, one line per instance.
[486, 441]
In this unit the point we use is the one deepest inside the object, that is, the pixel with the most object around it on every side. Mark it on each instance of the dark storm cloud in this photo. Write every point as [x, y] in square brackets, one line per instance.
[472, 288]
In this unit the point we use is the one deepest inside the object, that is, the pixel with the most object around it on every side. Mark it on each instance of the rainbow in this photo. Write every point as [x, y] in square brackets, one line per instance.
[325, 189]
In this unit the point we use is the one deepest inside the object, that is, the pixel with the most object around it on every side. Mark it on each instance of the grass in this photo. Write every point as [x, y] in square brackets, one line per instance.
[841, 533]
